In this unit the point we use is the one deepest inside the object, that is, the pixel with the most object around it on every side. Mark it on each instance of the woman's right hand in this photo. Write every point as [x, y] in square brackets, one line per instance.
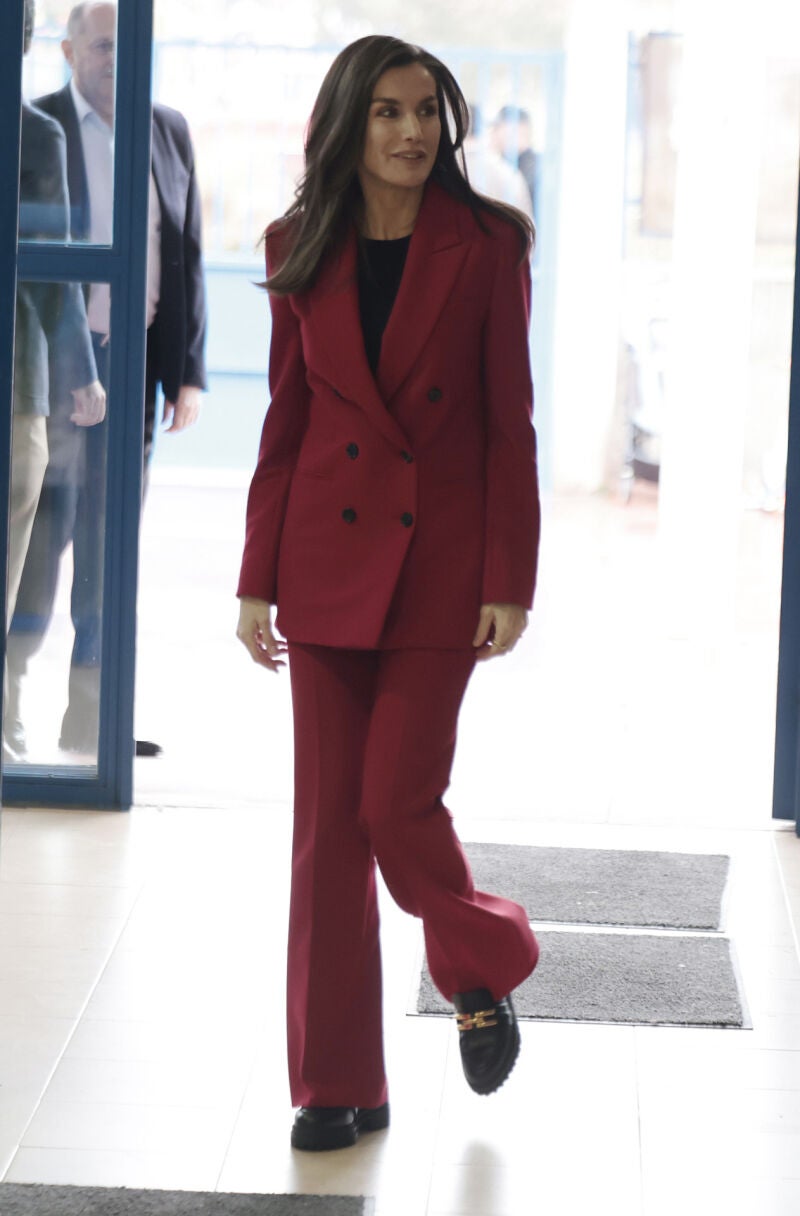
[255, 632]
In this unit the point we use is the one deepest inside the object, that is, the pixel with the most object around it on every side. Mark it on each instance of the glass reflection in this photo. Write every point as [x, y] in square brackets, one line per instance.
[57, 526]
[70, 76]
[58, 457]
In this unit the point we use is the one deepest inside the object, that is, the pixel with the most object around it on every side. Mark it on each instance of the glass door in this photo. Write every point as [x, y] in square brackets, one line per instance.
[75, 403]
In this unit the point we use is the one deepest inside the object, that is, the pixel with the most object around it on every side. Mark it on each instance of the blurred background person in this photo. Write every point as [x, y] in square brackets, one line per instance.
[511, 138]
[52, 352]
[489, 172]
[73, 507]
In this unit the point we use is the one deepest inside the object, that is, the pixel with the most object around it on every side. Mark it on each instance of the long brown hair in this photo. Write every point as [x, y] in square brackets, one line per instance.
[329, 192]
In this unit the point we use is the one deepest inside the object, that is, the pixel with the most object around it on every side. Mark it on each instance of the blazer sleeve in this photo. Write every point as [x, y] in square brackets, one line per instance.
[194, 365]
[44, 213]
[512, 491]
[282, 435]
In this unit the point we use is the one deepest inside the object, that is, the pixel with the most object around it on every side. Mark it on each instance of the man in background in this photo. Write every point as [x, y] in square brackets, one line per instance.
[176, 325]
[511, 136]
[52, 350]
[489, 171]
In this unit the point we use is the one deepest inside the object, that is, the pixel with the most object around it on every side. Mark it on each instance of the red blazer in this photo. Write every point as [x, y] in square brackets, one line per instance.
[385, 510]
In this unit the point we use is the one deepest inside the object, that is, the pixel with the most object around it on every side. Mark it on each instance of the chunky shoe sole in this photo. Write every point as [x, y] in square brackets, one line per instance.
[312, 1136]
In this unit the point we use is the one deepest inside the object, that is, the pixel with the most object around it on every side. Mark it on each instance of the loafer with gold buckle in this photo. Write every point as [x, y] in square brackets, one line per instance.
[488, 1038]
[318, 1129]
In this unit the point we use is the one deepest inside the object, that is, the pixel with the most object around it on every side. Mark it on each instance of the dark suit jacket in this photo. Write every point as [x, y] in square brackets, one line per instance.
[53, 349]
[178, 332]
[385, 510]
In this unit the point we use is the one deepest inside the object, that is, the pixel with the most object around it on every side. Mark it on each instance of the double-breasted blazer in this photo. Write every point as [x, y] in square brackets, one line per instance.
[384, 510]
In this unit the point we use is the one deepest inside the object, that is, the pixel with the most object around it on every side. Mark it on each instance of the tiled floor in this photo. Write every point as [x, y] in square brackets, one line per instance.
[141, 1038]
[142, 955]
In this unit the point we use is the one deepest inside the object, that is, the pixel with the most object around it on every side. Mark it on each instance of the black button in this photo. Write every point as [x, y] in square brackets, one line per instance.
[406, 519]
[349, 515]
[434, 394]
[352, 450]
[407, 457]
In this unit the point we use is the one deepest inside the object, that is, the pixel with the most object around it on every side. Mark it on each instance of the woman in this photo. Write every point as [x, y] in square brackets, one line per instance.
[393, 519]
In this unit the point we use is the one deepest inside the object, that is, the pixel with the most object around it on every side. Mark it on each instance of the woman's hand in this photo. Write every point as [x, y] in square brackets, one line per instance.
[255, 632]
[500, 626]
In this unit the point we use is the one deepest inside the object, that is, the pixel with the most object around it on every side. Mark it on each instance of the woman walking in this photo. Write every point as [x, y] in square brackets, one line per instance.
[393, 520]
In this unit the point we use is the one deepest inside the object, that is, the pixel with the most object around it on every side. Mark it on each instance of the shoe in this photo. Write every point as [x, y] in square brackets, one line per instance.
[145, 748]
[13, 730]
[14, 737]
[488, 1038]
[75, 746]
[10, 756]
[317, 1129]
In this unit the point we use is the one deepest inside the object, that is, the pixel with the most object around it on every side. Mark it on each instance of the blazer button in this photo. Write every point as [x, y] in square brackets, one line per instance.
[352, 450]
[407, 457]
[349, 515]
[434, 394]
[406, 519]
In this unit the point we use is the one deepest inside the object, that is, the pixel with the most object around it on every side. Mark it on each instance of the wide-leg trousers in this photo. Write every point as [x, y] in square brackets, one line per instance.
[375, 735]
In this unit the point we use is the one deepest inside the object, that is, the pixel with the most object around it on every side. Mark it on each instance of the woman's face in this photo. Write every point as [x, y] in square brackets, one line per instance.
[403, 129]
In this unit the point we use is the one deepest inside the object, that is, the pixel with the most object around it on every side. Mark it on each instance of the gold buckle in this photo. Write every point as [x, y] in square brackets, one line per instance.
[482, 1020]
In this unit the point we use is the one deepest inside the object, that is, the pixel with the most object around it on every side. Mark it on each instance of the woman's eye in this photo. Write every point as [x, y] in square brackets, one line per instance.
[387, 112]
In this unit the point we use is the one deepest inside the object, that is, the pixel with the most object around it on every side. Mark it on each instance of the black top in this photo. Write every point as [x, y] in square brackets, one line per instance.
[380, 269]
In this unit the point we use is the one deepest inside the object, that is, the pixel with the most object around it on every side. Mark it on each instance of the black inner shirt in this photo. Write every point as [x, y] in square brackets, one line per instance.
[380, 269]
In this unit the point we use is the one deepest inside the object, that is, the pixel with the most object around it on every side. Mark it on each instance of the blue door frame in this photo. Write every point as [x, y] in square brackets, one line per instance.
[786, 788]
[123, 266]
[11, 23]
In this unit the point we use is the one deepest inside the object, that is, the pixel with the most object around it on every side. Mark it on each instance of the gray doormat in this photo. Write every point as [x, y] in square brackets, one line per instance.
[605, 886]
[22, 1200]
[637, 978]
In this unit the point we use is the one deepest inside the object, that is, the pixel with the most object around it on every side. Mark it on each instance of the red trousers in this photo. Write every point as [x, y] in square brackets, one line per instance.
[375, 734]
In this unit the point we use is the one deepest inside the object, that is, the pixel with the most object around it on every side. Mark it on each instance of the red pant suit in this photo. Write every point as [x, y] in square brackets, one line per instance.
[382, 513]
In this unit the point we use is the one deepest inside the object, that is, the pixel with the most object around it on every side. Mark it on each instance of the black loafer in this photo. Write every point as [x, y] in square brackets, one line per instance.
[488, 1037]
[144, 747]
[318, 1129]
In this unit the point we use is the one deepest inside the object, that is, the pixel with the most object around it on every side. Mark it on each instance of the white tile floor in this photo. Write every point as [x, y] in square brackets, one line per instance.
[141, 1038]
[142, 955]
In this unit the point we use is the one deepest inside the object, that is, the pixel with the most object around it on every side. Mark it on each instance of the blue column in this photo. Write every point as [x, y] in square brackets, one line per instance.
[786, 795]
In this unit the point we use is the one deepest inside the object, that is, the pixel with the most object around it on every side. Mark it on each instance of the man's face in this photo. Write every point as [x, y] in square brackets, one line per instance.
[90, 54]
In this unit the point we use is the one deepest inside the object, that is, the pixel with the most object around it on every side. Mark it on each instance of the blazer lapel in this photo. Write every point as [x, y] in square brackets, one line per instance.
[80, 219]
[435, 256]
[331, 309]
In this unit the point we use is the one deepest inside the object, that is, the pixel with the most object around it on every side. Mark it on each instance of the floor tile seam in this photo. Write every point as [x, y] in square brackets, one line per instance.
[638, 1089]
[76, 1021]
[793, 925]
[237, 1118]
[204, 1108]
[437, 1138]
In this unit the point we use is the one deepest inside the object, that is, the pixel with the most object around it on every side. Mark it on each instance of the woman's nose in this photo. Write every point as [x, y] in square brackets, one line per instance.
[413, 127]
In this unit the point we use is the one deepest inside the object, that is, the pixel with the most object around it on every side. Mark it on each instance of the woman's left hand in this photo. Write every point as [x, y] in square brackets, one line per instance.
[500, 626]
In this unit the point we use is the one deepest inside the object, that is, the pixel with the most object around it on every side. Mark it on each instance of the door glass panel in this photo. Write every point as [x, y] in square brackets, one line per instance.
[56, 530]
[61, 361]
[69, 75]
